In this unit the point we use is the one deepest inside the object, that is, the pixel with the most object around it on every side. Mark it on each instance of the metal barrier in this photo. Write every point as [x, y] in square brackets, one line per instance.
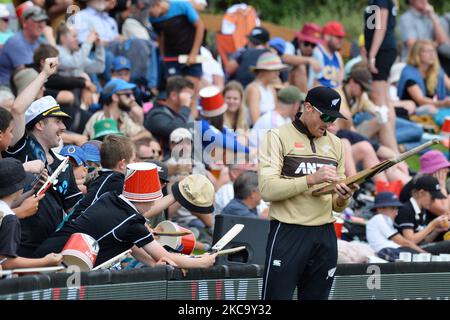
[244, 282]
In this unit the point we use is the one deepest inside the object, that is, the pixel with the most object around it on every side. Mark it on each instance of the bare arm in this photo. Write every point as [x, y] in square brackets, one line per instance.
[160, 205]
[429, 233]
[253, 98]
[418, 97]
[199, 33]
[51, 259]
[27, 96]
[157, 252]
[296, 60]
[142, 256]
[231, 67]
[379, 33]
[402, 241]
[439, 32]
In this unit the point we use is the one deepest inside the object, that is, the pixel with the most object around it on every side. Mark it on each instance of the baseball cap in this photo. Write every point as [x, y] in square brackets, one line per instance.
[278, 44]
[92, 150]
[36, 13]
[430, 184]
[326, 100]
[310, 32]
[386, 199]
[120, 63]
[290, 94]
[12, 176]
[362, 76]
[43, 108]
[334, 28]
[74, 152]
[4, 12]
[179, 134]
[259, 35]
[116, 85]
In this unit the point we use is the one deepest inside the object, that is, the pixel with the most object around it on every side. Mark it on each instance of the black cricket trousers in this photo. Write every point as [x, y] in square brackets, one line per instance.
[299, 256]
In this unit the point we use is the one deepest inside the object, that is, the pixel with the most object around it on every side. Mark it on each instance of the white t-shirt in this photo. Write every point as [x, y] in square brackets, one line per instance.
[269, 120]
[378, 231]
[210, 66]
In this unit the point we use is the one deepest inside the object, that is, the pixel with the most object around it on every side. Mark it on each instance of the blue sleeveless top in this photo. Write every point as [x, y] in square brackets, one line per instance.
[330, 70]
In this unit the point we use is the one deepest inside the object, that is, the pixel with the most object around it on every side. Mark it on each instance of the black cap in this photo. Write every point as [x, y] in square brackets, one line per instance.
[326, 100]
[430, 184]
[386, 199]
[163, 172]
[12, 176]
[259, 35]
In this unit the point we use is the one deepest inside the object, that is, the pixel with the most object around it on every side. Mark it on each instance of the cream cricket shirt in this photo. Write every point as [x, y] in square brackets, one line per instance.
[286, 156]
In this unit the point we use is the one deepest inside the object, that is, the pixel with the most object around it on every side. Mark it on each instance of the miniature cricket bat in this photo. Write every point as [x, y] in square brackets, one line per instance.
[368, 173]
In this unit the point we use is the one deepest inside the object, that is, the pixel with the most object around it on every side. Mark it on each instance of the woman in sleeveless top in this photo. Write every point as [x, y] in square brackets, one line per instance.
[260, 93]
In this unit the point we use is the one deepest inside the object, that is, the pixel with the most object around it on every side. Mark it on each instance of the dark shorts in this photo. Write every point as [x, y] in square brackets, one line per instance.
[177, 69]
[384, 61]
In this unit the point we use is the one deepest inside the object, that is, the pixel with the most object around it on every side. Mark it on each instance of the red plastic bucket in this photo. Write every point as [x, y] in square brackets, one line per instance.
[184, 244]
[80, 250]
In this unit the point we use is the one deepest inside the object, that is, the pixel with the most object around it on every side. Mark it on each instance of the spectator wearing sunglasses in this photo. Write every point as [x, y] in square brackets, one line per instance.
[303, 45]
[293, 160]
[5, 33]
[118, 100]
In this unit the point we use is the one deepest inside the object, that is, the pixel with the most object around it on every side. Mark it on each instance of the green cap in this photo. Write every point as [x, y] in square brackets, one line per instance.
[104, 127]
[290, 94]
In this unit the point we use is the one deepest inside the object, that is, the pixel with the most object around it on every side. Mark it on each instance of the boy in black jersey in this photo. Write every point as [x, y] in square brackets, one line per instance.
[117, 222]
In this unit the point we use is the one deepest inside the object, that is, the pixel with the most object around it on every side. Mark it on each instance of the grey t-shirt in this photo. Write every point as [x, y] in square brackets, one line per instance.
[414, 25]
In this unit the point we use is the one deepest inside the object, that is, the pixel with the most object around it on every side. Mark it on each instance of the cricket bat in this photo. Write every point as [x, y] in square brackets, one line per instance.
[51, 180]
[32, 270]
[230, 251]
[368, 173]
[171, 234]
[230, 235]
[112, 261]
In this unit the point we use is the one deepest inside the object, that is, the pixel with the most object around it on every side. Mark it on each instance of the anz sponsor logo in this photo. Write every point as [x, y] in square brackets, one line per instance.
[306, 168]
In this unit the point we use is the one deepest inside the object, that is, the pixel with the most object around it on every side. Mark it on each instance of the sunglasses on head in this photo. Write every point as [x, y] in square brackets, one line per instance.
[309, 44]
[325, 117]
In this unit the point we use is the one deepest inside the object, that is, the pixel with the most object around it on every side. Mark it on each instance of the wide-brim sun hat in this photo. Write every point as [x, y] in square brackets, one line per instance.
[269, 61]
[195, 193]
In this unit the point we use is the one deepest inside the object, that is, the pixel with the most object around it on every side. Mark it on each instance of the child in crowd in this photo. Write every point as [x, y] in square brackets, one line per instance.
[12, 181]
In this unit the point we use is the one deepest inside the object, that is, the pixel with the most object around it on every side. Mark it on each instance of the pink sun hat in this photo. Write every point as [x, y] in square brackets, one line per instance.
[432, 161]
